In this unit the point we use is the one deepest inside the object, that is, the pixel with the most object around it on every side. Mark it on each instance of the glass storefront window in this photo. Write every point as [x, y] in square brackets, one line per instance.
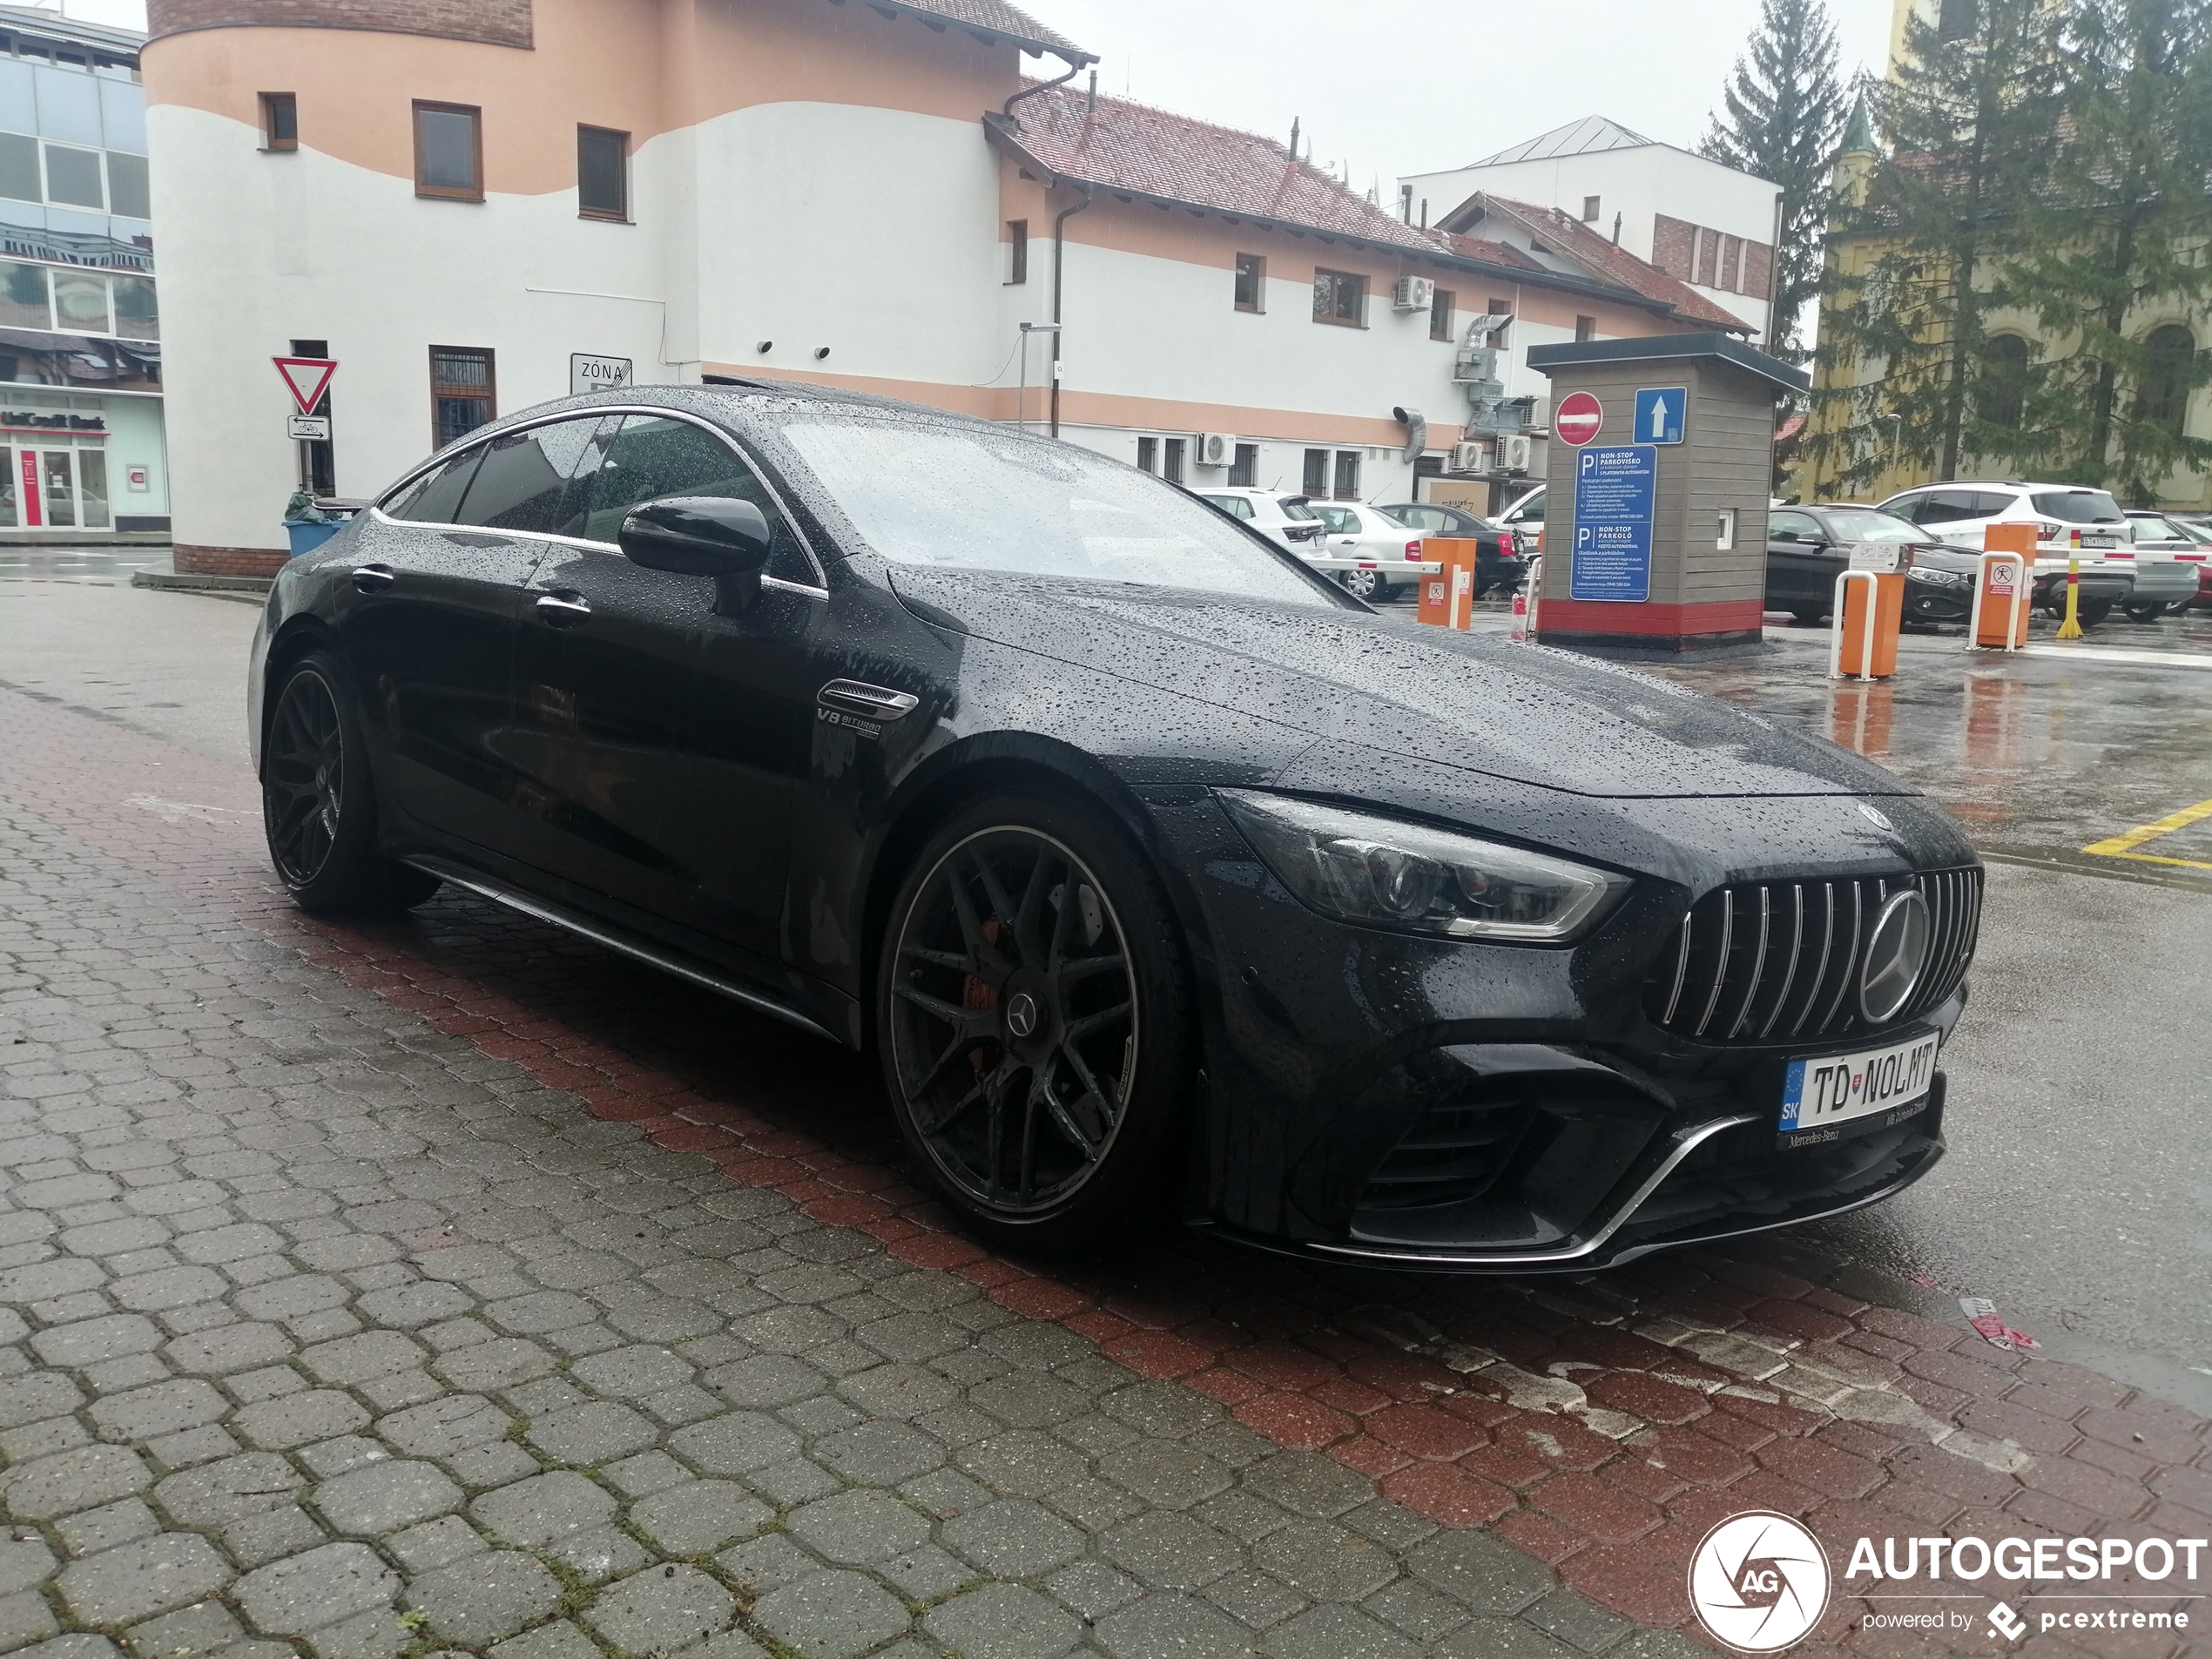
[136, 314]
[92, 487]
[59, 488]
[73, 176]
[23, 297]
[80, 303]
[8, 519]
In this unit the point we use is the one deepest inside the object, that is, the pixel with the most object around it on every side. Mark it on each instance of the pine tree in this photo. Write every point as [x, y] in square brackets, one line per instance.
[2115, 244]
[1784, 115]
[1969, 121]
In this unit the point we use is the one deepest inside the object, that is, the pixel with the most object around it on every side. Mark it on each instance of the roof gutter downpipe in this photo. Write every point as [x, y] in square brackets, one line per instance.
[1059, 271]
[1074, 70]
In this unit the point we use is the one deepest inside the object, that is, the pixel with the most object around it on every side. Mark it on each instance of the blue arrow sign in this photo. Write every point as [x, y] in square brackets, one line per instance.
[1662, 412]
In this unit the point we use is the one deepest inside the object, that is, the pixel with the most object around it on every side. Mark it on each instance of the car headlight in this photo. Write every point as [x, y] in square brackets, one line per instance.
[1416, 880]
[1936, 578]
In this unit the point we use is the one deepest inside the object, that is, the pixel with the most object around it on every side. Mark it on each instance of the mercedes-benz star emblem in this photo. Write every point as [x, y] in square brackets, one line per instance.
[1880, 819]
[1021, 1014]
[1895, 955]
[1759, 1582]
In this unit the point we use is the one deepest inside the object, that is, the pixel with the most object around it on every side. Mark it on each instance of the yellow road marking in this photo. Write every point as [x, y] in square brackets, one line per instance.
[2124, 846]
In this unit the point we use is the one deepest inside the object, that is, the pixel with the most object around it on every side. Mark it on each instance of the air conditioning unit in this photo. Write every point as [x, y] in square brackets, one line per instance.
[1514, 451]
[1413, 293]
[1216, 450]
[1467, 457]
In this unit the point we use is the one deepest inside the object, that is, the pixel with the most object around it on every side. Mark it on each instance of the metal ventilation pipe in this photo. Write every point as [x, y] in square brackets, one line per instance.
[1416, 425]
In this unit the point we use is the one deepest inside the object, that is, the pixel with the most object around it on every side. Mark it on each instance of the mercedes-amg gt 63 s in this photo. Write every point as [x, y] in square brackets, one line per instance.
[1148, 863]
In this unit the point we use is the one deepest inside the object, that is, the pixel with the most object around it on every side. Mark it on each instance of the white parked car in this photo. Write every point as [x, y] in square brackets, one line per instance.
[1525, 518]
[1356, 531]
[1285, 518]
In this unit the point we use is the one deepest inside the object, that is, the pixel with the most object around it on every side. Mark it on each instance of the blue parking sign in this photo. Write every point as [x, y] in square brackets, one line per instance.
[1660, 413]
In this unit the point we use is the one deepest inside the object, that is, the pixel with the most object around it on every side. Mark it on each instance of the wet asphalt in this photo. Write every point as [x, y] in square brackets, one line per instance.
[2078, 1190]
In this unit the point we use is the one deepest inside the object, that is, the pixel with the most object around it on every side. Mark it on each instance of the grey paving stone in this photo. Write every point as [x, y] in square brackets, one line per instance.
[1255, 1598]
[384, 1497]
[90, 1341]
[1577, 1620]
[925, 1573]
[766, 1562]
[204, 1628]
[222, 1492]
[543, 1508]
[83, 1478]
[1511, 1639]
[1003, 1621]
[699, 1516]
[1478, 1572]
[831, 1615]
[1091, 1590]
[855, 1528]
[481, 1598]
[1327, 1562]
[1333, 1632]
[25, 1561]
[296, 1419]
[270, 1535]
[593, 1432]
[879, 1453]
[434, 1544]
[138, 1580]
[1024, 1463]
[1170, 1548]
[1165, 1473]
[506, 1362]
[1013, 1538]
[1172, 1626]
[661, 1609]
[734, 1443]
[559, 1641]
[305, 1592]
[1308, 1484]
[24, 1618]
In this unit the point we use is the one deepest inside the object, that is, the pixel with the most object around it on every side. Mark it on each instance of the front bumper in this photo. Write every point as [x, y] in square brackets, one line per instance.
[1928, 602]
[1444, 1105]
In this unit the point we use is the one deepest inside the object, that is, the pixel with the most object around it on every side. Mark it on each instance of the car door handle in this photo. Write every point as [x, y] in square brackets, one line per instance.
[371, 577]
[563, 609]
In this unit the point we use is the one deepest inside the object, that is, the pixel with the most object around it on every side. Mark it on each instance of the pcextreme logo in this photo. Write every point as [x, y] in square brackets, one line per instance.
[1759, 1582]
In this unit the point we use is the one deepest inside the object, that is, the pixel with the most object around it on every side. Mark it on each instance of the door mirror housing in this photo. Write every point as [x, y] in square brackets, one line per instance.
[703, 536]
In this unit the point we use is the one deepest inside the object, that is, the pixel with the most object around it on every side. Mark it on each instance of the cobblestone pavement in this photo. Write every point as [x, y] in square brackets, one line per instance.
[449, 1285]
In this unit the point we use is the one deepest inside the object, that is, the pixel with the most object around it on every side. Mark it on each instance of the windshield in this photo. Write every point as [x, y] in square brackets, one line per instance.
[983, 500]
[1867, 525]
[2079, 507]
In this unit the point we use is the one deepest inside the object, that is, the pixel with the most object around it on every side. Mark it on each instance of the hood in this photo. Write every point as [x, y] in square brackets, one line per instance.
[1473, 702]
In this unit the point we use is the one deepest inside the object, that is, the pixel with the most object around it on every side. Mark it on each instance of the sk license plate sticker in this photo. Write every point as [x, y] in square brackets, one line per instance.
[1868, 1090]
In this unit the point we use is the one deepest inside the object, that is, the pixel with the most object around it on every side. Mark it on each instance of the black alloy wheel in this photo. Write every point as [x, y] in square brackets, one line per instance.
[317, 806]
[1032, 1023]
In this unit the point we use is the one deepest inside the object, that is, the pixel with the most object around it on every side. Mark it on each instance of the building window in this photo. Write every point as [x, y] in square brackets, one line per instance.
[73, 176]
[1148, 454]
[127, 192]
[24, 302]
[2000, 392]
[1317, 474]
[1243, 470]
[449, 152]
[1954, 20]
[1589, 210]
[1340, 298]
[1252, 282]
[1017, 252]
[19, 168]
[1439, 315]
[1586, 327]
[602, 174]
[462, 392]
[318, 460]
[2169, 358]
[1172, 471]
[1498, 308]
[1348, 474]
[279, 121]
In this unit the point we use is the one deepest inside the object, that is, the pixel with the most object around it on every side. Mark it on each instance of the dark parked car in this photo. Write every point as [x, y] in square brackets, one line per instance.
[1807, 548]
[1152, 866]
[1497, 564]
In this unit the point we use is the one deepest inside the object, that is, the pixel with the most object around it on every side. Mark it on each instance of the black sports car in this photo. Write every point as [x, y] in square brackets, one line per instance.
[1150, 865]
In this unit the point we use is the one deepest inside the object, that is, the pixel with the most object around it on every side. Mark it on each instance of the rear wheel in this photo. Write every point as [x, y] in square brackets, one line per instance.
[1365, 584]
[1033, 1023]
[1809, 616]
[2150, 613]
[317, 806]
[2092, 612]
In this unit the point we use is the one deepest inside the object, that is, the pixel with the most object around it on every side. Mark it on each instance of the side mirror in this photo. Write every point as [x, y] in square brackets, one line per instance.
[703, 536]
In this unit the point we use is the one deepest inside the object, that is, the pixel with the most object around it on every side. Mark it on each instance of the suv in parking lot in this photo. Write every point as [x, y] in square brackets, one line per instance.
[2073, 521]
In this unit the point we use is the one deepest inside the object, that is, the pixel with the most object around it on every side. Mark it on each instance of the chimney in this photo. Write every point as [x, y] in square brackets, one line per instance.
[1091, 109]
[1616, 230]
[1294, 138]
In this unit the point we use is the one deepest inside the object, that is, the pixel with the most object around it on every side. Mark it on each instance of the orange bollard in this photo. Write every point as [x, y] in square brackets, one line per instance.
[1869, 611]
[2002, 588]
[1448, 598]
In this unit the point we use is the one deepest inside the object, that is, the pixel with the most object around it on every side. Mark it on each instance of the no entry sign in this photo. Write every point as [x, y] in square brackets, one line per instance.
[1578, 418]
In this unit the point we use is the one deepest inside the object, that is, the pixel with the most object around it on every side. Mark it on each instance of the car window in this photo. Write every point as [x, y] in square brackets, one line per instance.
[989, 499]
[1425, 518]
[1529, 510]
[2079, 507]
[653, 456]
[1870, 525]
[1236, 506]
[528, 479]
[1341, 521]
[435, 497]
[1296, 510]
[1946, 506]
[1803, 527]
[1993, 504]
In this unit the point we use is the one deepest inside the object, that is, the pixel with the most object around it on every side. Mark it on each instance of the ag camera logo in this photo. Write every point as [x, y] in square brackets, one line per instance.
[1759, 1582]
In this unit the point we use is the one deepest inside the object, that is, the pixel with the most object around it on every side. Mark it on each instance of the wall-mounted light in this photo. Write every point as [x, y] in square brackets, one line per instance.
[765, 345]
[820, 352]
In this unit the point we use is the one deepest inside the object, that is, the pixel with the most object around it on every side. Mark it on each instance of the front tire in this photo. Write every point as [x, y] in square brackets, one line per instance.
[1365, 584]
[317, 807]
[1034, 1023]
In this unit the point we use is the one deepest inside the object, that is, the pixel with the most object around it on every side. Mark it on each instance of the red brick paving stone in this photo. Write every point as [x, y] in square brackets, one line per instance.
[1642, 1395]
[1592, 1506]
[1294, 1420]
[1424, 1432]
[1346, 1395]
[2002, 1420]
[1446, 1494]
[1827, 1470]
[1510, 1460]
[1653, 1482]
[810, 1121]
[1282, 1364]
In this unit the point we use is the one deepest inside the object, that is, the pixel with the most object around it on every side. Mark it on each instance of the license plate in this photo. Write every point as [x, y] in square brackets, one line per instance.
[1823, 1100]
[2100, 541]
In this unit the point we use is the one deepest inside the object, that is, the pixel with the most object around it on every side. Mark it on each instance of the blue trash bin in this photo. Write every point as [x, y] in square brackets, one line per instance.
[306, 538]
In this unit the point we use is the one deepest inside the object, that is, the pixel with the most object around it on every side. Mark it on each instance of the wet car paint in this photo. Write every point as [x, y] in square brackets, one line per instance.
[703, 822]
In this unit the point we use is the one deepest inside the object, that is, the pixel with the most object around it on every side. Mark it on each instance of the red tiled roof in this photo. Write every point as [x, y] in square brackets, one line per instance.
[1609, 263]
[1129, 146]
[1474, 247]
[997, 18]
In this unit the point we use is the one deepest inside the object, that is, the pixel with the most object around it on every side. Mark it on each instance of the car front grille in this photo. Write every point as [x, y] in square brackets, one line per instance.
[1774, 961]
[1455, 1151]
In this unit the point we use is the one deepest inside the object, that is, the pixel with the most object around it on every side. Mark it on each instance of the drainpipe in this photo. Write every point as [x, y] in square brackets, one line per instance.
[1042, 86]
[1059, 267]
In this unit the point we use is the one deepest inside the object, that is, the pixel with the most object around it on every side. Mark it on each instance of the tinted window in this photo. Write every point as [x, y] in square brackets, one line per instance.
[1800, 527]
[1296, 510]
[528, 479]
[1947, 507]
[989, 499]
[652, 457]
[1423, 518]
[436, 498]
[2079, 507]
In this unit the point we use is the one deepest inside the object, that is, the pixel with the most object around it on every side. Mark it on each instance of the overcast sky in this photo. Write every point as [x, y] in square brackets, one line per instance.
[1391, 86]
